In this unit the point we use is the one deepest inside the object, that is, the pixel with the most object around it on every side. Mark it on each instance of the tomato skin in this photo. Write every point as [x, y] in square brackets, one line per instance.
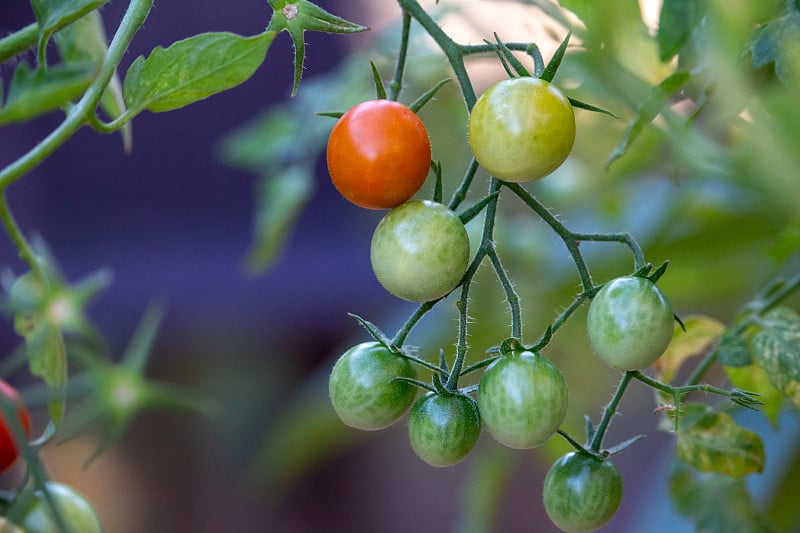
[362, 391]
[630, 323]
[420, 251]
[379, 154]
[521, 129]
[9, 450]
[581, 492]
[443, 429]
[522, 399]
[76, 511]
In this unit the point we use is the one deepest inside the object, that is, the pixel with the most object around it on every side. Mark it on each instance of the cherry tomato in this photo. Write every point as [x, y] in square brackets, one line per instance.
[379, 154]
[9, 450]
[581, 492]
[362, 389]
[522, 399]
[74, 509]
[443, 429]
[630, 323]
[521, 129]
[420, 251]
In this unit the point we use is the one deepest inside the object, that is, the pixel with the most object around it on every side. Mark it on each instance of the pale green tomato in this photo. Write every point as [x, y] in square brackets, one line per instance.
[74, 509]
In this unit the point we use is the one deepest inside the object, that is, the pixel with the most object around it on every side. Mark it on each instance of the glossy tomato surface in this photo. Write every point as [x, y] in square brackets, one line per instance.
[74, 509]
[443, 429]
[521, 129]
[9, 450]
[379, 154]
[420, 251]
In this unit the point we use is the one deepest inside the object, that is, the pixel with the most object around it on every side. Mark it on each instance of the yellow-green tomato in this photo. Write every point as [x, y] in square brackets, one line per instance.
[76, 512]
[522, 399]
[420, 251]
[363, 389]
[443, 429]
[630, 323]
[521, 129]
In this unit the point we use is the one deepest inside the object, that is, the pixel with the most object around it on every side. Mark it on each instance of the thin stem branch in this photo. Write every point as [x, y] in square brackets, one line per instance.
[609, 411]
[621, 237]
[26, 251]
[19, 41]
[511, 294]
[397, 80]
[402, 333]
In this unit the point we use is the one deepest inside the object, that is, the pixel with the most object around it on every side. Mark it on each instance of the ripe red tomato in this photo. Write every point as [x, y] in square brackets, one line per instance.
[9, 451]
[379, 154]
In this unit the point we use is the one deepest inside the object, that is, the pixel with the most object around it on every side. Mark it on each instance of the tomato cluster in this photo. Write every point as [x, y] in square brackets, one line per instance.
[520, 129]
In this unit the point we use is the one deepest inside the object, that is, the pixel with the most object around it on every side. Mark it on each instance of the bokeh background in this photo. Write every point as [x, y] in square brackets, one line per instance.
[173, 221]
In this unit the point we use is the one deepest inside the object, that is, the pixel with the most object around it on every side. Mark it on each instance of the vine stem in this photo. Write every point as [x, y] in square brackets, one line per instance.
[397, 80]
[609, 411]
[26, 251]
[19, 41]
[131, 22]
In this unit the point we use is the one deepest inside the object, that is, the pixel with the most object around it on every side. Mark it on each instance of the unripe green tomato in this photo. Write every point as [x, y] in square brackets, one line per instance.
[522, 399]
[75, 510]
[630, 323]
[521, 129]
[361, 388]
[420, 251]
[581, 492]
[443, 429]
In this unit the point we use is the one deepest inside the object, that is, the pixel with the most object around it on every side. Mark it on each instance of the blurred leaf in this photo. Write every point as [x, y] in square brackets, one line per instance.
[55, 14]
[701, 332]
[85, 41]
[733, 350]
[659, 96]
[754, 379]
[483, 489]
[675, 24]
[193, 69]
[716, 503]
[782, 509]
[279, 201]
[776, 349]
[33, 93]
[711, 441]
[778, 42]
[787, 242]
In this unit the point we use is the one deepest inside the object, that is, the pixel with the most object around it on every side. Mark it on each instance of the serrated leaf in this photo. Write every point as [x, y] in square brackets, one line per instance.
[55, 14]
[193, 69]
[779, 42]
[733, 350]
[659, 96]
[676, 22]
[280, 199]
[36, 92]
[754, 379]
[776, 349]
[712, 441]
[701, 332]
[716, 503]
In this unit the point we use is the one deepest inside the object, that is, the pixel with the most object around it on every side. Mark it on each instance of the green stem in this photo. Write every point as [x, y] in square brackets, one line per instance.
[609, 411]
[19, 41]
[511, 295]
[26, 251]
[397, 80]
[460, 193]
[622, 237]
[469, 49]
[402, 333]
[134, 18]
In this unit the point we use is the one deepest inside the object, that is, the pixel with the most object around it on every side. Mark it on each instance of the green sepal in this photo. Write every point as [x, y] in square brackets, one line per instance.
[375, 332]
[550, 70]
[589, 107]
[425, 97]
[380, 88]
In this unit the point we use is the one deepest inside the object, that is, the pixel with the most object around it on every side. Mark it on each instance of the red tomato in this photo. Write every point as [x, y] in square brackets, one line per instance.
[379, 154]
[9, 451]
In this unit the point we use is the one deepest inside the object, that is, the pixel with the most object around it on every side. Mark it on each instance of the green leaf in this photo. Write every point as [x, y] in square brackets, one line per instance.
[754, 379]
[776, 349]
[733, 350]
[193, 69]
[33, 93]
[778, 42]
[84, 41]
[711, 441]
[53, 15]
[659, 96]
[787, 242]
[279, 200]
[482, 493]
[47, 359]
[677, 21]
[716, 503]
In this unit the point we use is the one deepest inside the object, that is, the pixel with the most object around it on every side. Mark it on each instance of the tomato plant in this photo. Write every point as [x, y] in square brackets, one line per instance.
[9, 449]
[379, 154]
[582, 492]
[363, 388]
[521, 129]
[420, 251]
[443, 429]
[522, 399]
[75, 511]
[630, 323]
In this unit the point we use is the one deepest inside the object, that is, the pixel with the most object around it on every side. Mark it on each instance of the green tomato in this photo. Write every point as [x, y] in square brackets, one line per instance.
[521, 129]
[74, 509]
[362, 389]
[443, 429]
[581, 492]
[420, 251]
[522, 399]
[630, 323]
